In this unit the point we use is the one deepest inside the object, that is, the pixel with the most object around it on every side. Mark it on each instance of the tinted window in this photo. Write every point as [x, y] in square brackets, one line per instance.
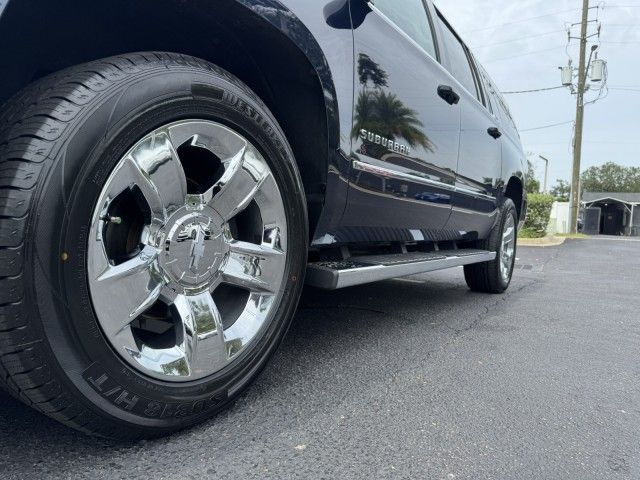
[460, 66]
[489, 89]
[505, 114]
[411, 17]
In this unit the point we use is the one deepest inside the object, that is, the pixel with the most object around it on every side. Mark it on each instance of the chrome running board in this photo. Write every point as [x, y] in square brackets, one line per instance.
[373, 268]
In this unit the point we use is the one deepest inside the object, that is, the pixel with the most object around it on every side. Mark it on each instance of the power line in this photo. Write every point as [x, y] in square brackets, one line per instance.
[535, 90]
[625, 89]
[519, 21]
[608, 142]
[546, 126]
[495, 27]
[524, 54]
[587, 142]
[537, 35]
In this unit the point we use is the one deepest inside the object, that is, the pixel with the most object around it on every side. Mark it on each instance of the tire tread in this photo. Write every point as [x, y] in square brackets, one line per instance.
[31, 123]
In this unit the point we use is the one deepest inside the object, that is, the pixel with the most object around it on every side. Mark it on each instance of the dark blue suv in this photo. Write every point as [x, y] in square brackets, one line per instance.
[172, 172]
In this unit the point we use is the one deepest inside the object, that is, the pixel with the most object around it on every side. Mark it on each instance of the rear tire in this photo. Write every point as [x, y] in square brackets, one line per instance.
[60, 140]
[495, 276]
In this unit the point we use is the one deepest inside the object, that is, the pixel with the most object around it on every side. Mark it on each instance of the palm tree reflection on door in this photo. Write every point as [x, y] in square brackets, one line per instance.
[383, 112]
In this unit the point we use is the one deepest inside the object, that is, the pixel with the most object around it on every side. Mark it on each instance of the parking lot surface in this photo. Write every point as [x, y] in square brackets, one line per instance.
[412, 378]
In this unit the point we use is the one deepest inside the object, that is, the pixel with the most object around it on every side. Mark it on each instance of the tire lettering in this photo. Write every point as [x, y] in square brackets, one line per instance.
[122, 398]
[153, 409]
[97, 384]
[167, 411]
[129, 402]
[184, 410]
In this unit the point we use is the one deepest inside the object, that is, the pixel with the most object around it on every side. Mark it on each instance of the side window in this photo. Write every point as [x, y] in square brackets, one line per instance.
[489, 90]
[411, 17]
[505, 114]
[460, 66]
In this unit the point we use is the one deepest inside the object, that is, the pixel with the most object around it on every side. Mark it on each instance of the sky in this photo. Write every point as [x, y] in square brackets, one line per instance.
[522, 43]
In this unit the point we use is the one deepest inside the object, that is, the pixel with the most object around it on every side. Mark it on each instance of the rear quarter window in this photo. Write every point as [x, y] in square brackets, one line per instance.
[505, 115]
[498, 104]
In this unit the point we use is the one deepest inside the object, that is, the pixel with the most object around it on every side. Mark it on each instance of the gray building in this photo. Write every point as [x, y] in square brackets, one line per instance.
[608, 213]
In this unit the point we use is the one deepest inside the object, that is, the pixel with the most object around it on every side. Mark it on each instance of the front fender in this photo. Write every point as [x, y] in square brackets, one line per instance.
[304, 24]
[322, 31]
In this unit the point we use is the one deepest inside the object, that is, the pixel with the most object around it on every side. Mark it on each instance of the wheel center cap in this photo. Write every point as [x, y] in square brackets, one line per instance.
[194, 249]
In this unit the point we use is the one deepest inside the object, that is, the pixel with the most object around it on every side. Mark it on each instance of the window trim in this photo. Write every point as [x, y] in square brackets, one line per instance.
[476, 75]
[432, 27]
[490, 89]
[481, 81]
[396, 27]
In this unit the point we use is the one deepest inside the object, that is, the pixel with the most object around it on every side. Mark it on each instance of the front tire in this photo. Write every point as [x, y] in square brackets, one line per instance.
[495, 276]
[153, 238]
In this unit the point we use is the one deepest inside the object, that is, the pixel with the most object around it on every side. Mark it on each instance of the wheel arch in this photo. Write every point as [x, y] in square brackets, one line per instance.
[259, 41]
[515, 191]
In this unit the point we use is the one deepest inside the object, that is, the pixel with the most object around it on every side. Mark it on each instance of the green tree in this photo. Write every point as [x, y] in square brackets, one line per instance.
[561, 190]
[368, 70]
[533, 184]
[385, 114]
[611, 177]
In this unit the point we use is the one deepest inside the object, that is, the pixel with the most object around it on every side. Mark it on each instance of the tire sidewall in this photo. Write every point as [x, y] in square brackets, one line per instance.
[508, 209]
[93, 146]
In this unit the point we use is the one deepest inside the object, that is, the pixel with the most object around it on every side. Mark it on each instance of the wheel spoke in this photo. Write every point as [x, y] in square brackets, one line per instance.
[243, 177]
[270, 201]
[156, 170]
[203, 346]
[248, 324]
[508, 234]
[157, 309]
[218, 139]
[507, 249]
[125, 291]
[258, 268]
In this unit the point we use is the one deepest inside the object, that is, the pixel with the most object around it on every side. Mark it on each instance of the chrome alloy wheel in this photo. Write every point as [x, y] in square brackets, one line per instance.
[187, 250]
[507, 248]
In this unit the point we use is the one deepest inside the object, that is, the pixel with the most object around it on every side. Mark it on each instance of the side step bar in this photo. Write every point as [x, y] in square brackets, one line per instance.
[373, 268]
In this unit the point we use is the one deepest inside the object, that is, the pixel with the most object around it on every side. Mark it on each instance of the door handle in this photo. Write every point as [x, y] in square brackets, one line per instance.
[448, 94]
[494, 132]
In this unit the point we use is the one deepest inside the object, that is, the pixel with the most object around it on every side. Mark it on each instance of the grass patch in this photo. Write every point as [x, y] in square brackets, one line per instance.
[531, 233]
[574, 235]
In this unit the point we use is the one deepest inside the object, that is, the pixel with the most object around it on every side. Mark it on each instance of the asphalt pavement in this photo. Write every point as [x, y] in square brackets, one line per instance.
[413, 378]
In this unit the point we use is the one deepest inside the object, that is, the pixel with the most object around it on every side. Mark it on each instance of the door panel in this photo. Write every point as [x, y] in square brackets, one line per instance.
[405, 137]
[474, 204]
[478, 176]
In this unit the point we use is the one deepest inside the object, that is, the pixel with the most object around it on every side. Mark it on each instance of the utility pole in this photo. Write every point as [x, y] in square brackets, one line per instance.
[577, 147]
[546, 173]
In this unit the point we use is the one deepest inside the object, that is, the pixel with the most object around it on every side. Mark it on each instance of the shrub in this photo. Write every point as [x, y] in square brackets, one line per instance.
[538, 214]
[529, 233]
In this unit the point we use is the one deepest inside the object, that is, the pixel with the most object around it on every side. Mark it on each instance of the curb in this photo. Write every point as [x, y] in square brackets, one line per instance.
[541, 242]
